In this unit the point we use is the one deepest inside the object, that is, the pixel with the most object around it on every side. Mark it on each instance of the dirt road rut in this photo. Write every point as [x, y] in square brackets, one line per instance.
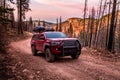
[87, 67]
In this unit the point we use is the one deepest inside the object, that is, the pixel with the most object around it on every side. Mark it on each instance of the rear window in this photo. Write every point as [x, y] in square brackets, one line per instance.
[55, 35]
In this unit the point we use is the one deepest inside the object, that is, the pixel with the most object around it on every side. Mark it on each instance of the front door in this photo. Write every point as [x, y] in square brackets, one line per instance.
[41, 40]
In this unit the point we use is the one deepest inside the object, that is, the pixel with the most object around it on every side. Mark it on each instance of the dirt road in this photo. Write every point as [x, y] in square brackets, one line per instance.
[87, 67]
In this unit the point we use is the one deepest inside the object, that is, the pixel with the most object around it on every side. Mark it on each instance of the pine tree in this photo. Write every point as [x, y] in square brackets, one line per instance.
[5, 10]
[12, 20]
[30, 24]
[44, 23]
[60, 25]
[57, 24]
[91, 26]
[119, 37]
[107, 30]
[97, 23]
[39, 24]
[23, 7]
[84, 35]
[34, 25]
[70, 29]
[31, 21]
[100, 23]
[111, 33]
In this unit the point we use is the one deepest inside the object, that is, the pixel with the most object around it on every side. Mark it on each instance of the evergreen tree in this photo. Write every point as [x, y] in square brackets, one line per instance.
[84, 35]
[30, 21]
[107, 30]
[111, 33]
[97, 23]
[12, 20]
[60, 26]
[30, 24]
[70, 29]
[57, 24]
[91, 26]
[3, 19]
[119, 37]
[34, 25]
[23, 7]
[39, 22]
[44, 23]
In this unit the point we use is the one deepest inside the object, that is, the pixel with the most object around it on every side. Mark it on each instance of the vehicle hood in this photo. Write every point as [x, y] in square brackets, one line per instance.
[62, 39]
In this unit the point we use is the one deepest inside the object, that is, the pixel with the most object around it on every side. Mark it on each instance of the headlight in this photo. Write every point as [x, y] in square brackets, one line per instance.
[55, 43]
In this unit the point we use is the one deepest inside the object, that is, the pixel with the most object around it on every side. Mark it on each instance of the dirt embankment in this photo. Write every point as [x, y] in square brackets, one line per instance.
[25, 66]
[7, 62]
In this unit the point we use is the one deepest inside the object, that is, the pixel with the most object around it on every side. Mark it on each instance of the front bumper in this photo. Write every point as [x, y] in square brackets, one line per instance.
[65, 51]
[67, 47]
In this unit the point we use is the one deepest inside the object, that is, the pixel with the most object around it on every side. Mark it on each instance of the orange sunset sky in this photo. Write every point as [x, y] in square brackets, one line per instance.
[49, 10]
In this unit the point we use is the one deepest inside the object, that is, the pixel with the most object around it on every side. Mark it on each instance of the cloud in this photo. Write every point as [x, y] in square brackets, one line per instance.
[51, 9]
[61, 3]
[45, 1]
[76, 4]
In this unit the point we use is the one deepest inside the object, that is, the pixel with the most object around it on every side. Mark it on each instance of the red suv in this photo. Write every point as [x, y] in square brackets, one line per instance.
[55, 44]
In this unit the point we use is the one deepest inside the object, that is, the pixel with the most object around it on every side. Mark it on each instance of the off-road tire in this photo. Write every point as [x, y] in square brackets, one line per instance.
[75, 56]
[49, 56]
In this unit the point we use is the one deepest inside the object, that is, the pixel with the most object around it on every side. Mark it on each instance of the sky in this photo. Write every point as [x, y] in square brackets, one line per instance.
[49, 10]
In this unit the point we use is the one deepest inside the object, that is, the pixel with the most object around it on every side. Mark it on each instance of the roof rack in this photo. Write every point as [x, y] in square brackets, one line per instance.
[39, 29]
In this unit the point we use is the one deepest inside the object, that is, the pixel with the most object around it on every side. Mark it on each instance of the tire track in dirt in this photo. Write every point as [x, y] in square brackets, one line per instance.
[87, 67]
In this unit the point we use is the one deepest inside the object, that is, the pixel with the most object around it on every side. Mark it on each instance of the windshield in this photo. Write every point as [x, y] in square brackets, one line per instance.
[55, 35]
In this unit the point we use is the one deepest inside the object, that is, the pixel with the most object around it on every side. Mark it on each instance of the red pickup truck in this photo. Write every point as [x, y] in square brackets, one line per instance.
[55, 44]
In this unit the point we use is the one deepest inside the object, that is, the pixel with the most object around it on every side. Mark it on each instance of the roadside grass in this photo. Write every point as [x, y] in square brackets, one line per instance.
[6, 60]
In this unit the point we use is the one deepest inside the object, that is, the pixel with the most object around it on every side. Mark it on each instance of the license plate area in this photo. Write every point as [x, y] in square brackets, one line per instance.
[69, 50]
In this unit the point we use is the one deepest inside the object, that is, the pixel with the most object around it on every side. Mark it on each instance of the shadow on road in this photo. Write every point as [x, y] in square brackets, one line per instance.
[58, 59]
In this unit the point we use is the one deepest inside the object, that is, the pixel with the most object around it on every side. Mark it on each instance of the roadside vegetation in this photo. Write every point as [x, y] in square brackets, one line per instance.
[99, 30]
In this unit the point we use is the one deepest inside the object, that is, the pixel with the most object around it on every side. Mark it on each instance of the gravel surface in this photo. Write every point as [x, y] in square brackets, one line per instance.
[87, 67]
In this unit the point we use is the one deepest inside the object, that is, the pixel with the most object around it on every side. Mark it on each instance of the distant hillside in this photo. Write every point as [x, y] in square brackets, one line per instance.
[78, 23]
[48, 24]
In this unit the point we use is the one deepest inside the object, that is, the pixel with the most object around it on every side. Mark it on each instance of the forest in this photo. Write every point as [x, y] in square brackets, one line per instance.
[98, 31]
[100, 26]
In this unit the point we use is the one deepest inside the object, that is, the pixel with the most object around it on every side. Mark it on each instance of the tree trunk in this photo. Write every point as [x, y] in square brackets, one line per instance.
[44, 24]
[92, 26]
[60, 28]
[84, 35]
[97, 23]
[20, 30]
[88, 30]
[111, 34]
[116, 20]
[4, 5]
[13, 20]
[119, 36]
[101, 23]
[18, 23]
[107, 34]
[57, 24]
[21, 27]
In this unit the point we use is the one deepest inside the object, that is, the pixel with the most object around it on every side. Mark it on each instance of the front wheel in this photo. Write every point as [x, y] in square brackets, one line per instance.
[75, 56]
[49, 56]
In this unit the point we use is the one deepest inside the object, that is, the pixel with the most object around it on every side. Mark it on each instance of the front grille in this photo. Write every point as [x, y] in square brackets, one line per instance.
[70, 47]
[69, 43]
